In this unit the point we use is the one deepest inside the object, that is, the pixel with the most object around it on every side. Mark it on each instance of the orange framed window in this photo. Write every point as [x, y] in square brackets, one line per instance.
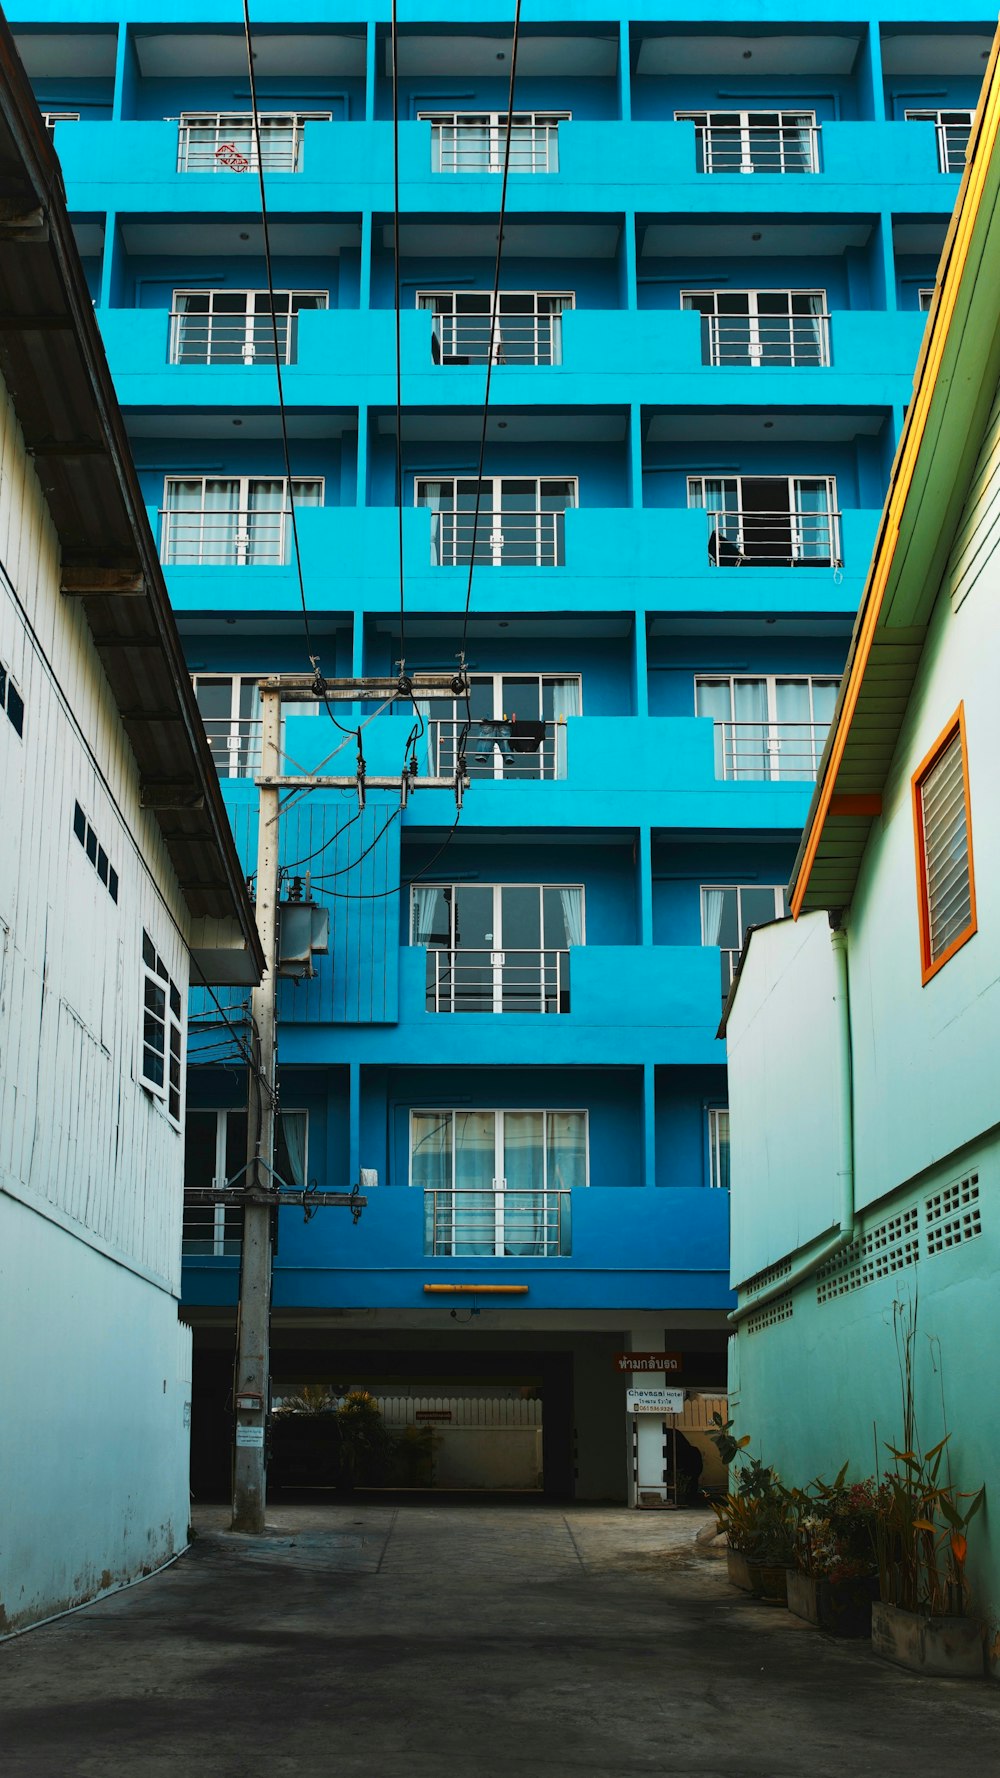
[942, 822]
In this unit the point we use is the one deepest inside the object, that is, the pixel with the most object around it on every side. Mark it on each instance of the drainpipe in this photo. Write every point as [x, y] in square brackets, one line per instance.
[847, 1225]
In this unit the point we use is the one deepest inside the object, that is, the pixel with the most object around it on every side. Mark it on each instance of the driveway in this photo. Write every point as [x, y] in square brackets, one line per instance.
[437, 1641]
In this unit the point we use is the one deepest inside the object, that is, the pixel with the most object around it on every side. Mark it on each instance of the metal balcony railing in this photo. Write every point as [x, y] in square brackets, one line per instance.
[741, 539]
[730, 962]
[758, 148]
[768, 341]
[234, 744]
[952, 142]
[503, 539]
[470, 146]
[512, 339]
[227, 143]
[227, 539]
[526, 981]
[494, 749]
[230, 339]
[497, 1222]
[769, 751]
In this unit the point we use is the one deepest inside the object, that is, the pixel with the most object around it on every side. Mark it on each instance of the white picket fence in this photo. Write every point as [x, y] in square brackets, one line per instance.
[462, 1410]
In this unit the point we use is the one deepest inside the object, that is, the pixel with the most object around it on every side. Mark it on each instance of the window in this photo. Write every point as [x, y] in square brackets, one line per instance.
[946, 895]
[162, 1068]
[475, 141]
[953, 129]
[754, 141]
[497, 947]
[728, 912]
[527, 328]
[215, 1151]
[925, 298]
[230, 710]
[225, 141]
[521, 520]
[769, 521]
[497, 703]
[11, 701]
[498, 1182]
[236, 326]
[95, 851]
[51, 118]
[767, 728]
[718, 1147]
[770, 328]
[233, 521]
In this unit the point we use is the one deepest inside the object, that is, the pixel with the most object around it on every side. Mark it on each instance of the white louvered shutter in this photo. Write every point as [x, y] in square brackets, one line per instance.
[946, 850]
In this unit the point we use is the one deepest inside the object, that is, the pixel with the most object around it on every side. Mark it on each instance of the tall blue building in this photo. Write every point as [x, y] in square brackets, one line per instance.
[721, 237]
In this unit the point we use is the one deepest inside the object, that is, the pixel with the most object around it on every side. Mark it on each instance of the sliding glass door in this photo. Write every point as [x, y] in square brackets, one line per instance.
[497, 1182]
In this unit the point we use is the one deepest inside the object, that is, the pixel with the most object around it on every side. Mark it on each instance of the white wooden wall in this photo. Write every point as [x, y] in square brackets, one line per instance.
[78, 1135]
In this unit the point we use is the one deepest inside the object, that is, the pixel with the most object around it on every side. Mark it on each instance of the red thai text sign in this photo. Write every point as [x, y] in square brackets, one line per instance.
[631, 1363]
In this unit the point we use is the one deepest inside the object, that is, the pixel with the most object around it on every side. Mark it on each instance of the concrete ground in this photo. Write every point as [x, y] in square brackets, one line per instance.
[466, 1641]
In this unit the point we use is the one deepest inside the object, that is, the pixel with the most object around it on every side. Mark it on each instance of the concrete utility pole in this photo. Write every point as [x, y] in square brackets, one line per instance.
[261, 1191]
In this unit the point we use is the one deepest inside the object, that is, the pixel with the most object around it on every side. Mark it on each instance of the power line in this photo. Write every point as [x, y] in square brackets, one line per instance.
[404, 883]
[394, 35]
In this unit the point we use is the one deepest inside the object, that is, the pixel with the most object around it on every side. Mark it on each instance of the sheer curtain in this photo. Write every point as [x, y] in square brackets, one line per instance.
[475, 1164]
[524, 1173]
[571, 903]
[293, 1129]
[712, 903]
[795, 741]
[565, 694]
[423, 906]
[713, 697]
[749, 755]
[430, 1172]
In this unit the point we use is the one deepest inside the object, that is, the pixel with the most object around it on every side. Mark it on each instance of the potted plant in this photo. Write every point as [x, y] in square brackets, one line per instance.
[921, 1619]
[834, 1580]
[755, 1518]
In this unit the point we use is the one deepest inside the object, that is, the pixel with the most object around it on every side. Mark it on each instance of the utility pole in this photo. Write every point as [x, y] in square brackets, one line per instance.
[261, 1191]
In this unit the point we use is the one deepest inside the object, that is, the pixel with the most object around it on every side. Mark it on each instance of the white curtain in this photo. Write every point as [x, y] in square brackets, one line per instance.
[524, 1171]
[424, 901]
[571, 903]
[749, 755]
[712, 903]
[565, 702]
[293, 1128]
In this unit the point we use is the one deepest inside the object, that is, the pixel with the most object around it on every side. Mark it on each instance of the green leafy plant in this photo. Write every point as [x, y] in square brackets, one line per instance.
[724, 1439]
[756, 1515]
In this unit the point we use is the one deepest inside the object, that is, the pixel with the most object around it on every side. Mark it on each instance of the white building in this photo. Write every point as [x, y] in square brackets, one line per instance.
[118, 879]
[864, 1034]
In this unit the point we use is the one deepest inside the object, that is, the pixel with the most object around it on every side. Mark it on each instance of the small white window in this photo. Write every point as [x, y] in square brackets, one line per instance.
[718, 1147]
[925, 298]
[162, 1066]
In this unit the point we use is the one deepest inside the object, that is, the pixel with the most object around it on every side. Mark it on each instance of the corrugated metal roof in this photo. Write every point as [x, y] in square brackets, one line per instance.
[953, 392]
[53, 362]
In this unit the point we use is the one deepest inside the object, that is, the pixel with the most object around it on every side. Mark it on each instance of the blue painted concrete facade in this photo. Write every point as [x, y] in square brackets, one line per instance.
[642, 818]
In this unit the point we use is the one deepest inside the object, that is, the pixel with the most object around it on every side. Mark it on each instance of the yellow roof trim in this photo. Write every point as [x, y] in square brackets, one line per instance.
[955, 256]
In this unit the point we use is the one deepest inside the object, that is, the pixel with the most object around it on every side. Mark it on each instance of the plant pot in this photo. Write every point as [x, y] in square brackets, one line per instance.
[768, 1581]
[737, 1570]
[845, 1606]
[803, 1596]
[946, 1647]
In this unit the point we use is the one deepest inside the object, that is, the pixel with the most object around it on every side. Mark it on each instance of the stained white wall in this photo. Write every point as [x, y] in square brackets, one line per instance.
[784, 1069]
[91, 1170]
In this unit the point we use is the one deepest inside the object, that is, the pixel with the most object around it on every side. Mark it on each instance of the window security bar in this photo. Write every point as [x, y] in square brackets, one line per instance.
[952, 142]
[492, 750]
[740, 539]
[245, 538]
[234, 745]
[226, 142]
[730, 962]
[742, 147]
[747, 752]
[512, 339]
[502, 1222]
[771, 341]
[510, 980]
[476, 142]
[230, 339]
[503, 540]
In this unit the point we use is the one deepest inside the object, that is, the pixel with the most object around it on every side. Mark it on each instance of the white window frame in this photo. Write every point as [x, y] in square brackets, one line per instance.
[747, 121]
[925, 297]
[243, 555]
[51, 118]
[714, 1121]
[457, 716]
[248, 353]
[530, 322]
[491, 520]
[446, 156]
[799, 542]
[730, 958]
[498, 958]
[218, 1181]
[12, 701]
[168, 1092]
[774, 722]
[498, 1183]
[944, 118]
[757, 347]
[224, 122]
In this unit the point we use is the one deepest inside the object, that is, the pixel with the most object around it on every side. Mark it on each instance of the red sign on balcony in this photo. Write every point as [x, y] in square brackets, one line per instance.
[230, 156]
